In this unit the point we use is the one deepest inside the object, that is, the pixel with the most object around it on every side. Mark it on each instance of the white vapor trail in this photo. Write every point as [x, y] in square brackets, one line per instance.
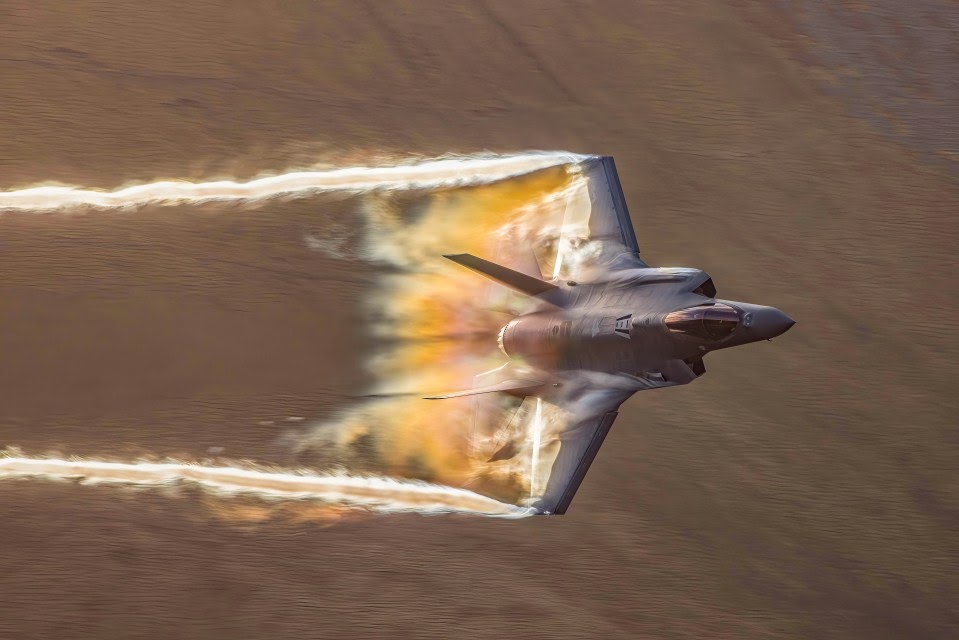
[375, 493]
[429, 174]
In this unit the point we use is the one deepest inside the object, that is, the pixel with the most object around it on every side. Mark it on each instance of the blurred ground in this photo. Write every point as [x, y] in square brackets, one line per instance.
[804, 155]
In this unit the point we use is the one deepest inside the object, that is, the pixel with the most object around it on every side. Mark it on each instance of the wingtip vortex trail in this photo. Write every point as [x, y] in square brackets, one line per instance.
[449, 171]
[376, 493]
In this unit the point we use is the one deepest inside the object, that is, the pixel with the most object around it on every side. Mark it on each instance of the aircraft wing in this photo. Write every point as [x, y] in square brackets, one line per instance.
[609, 222]
[594, 408]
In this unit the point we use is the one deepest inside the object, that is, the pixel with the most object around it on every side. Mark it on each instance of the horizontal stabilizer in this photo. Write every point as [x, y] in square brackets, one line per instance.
[515, 387]
[513, 279]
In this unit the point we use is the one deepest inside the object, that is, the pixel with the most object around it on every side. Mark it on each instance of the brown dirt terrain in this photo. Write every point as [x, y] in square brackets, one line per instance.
[805, 488]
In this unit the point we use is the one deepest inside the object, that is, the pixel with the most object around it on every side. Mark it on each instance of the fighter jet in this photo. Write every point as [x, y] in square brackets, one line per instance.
[586, 346]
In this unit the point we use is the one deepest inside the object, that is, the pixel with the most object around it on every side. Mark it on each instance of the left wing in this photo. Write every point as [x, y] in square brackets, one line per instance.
[609, 222]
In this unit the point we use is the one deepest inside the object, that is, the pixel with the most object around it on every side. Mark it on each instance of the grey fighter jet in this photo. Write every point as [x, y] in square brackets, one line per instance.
[587, 346]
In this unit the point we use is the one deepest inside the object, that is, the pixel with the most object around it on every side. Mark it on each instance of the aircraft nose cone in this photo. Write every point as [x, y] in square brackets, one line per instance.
[770, 322]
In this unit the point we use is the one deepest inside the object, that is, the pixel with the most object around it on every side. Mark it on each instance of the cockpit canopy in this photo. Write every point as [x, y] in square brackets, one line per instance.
[707, 321]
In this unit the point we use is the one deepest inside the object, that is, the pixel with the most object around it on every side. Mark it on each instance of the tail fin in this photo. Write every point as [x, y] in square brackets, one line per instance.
[513, 279]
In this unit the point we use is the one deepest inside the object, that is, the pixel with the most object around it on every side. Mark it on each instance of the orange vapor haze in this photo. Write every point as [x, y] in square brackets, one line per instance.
[434, 325]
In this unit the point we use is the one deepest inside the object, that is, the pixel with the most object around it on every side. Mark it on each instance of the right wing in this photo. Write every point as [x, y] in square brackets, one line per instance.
[578, 447]
[594, 408]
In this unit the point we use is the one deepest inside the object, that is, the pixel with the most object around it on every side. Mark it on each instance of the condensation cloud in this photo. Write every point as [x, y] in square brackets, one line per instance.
[428, 174]
[432, 328]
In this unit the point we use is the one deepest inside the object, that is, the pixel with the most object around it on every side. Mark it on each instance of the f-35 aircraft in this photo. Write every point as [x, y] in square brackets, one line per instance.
[587, 346]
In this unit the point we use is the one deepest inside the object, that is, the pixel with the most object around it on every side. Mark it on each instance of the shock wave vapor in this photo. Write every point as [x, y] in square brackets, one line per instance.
[582, 346]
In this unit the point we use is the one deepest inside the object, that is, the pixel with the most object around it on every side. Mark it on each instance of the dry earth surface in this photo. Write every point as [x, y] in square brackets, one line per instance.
[803, 153]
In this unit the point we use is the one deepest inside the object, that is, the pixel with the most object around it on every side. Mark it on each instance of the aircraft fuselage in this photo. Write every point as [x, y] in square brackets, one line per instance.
[650, 323]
